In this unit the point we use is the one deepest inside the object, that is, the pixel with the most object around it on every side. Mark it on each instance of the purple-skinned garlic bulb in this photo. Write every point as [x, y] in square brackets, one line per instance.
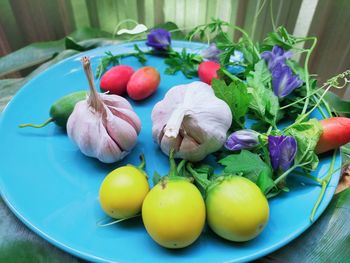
[103, 126]
[191, 120]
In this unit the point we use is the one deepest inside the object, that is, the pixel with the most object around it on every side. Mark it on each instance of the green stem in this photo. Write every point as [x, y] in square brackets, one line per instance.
[204, 183]
[309, 176]
[325, 103]
[181, 165]
[269, 130]
[228, 74]
[36, 125]
[143, 162]
[116, 221]
[306, 72]
[324, 116]
[300, 100]
[173, 171]
[324, 184]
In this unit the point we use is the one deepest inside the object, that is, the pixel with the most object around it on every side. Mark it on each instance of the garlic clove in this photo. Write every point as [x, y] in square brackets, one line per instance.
[122, 132]
[127, 115]
[90, 134]
[115, 101]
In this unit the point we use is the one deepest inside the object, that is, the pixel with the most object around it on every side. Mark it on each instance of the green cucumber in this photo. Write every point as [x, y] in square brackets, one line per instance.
[61, 110]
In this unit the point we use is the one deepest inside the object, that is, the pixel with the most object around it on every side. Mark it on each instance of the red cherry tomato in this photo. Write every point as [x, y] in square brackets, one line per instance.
[207, 71]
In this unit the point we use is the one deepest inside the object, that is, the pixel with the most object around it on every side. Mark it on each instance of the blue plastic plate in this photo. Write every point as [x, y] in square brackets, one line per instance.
[53, 188]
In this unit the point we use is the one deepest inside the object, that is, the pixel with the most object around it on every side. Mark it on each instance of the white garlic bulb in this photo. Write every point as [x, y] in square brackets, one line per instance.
[103, 126]
[191, 120]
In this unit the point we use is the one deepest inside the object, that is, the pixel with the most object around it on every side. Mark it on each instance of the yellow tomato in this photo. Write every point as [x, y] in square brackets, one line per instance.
[173, 213]
[237, 210]
[123, 191]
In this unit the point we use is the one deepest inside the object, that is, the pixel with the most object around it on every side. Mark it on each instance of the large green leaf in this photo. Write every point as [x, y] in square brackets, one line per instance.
[88, 32]
[327, 240]
[38, 53]
[339, 105]
[8, 87]
[28, 56]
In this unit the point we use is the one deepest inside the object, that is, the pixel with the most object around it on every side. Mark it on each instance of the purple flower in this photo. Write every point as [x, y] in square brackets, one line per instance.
[242, 139]
[282, 151]
[276, 56]
[159, 39]
[284, 81]
[211, 53]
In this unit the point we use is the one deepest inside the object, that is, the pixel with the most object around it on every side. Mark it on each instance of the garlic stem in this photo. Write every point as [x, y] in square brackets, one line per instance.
[94, 99]
[172, 128]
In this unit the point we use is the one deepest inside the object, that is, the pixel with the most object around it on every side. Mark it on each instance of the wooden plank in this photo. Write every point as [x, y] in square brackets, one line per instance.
[180, 13]
[158, 12]
[5, 47]
[141, 11]
[211, 9]
[92, 12]
[66, 16]
[331, 55]
[11, 32]
[233, 17]
[149, 13]
[80, 13]
[192, 13]
[240, 17]
[169, 10]
[107, 11]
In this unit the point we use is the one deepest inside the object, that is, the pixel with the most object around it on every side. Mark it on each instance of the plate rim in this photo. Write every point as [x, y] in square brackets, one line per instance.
[88, 256]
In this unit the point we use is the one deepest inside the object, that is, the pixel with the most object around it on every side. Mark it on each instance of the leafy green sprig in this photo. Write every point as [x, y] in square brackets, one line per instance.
[110, 59]
[183, 61]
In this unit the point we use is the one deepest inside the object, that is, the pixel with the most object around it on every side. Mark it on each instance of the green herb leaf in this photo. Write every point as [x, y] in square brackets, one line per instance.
[237, 98]
[307, 135]
[248, 163]
[105, 62]
[185, 62]
[266, 183]
[281, 38]
[264, 102]
[140, 55]
[338, 105]
[296, 68]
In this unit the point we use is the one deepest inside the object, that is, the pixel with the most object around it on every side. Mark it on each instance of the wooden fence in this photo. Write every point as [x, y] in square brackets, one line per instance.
[26, 21]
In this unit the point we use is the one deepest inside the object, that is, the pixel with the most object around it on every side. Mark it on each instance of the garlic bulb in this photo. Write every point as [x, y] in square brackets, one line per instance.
[103, 126]
[191, 120]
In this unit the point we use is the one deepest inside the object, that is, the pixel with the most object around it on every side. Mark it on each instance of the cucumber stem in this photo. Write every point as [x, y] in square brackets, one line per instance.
[143, 162]
[36, 125]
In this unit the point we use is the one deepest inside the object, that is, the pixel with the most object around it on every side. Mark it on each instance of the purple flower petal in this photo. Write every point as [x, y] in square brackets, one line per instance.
[242, 139]
[211, 53]
[283, 79]
[282, 151]
[159, 39]
[276, 56]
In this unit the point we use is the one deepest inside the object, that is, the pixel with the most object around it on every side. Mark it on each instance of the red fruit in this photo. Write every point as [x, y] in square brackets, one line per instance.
[207, 71]
[336, 132]
[116, 79]
[143, 83]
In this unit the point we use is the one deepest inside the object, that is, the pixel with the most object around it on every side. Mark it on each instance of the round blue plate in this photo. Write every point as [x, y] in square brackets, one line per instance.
[53, 188]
